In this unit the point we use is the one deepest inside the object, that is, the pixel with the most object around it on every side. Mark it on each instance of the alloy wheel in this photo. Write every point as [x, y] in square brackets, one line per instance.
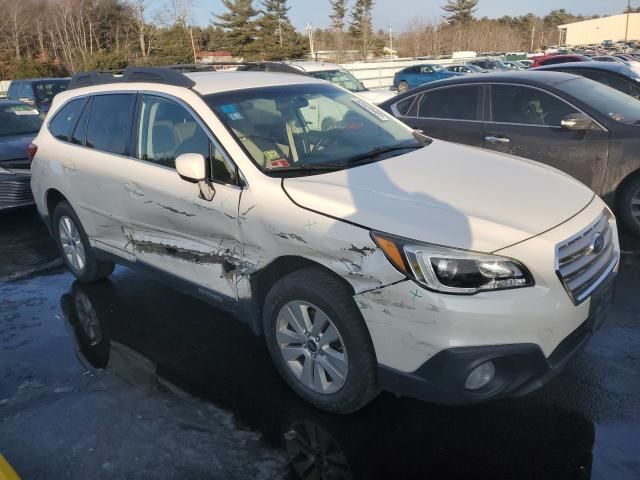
[71, 243]
[312, 347]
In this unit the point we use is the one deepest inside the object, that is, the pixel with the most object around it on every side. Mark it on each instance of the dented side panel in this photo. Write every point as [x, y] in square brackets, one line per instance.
[271, 226]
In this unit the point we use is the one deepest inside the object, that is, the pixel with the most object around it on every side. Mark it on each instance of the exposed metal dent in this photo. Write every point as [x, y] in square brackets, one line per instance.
[171, 209]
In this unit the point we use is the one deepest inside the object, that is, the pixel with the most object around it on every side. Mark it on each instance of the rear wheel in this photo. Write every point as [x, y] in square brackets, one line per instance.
[629, 205]
[75, 248]
[403, 86]
[319, 342]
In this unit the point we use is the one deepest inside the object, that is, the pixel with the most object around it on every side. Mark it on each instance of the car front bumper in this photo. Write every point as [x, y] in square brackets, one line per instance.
[520, 368]
[15, 190]
[427, 342]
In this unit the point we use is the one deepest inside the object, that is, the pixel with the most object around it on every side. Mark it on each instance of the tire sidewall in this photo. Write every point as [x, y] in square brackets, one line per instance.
[344, 315]
[64, 210]
[625, 208]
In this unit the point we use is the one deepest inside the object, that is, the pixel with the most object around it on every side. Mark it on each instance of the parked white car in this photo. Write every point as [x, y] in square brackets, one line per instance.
[342, 77]
[369, 256]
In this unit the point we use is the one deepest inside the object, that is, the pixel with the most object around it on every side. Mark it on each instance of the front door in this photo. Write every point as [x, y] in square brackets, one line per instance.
[525, 121]
[171, 226]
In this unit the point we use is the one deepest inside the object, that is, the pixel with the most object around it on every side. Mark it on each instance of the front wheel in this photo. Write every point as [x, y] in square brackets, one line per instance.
[403, 86]
[319, 342]
[629, 205]
[75, 248]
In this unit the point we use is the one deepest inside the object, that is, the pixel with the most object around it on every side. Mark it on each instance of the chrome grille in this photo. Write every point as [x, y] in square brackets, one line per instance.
[583, 261]
[15, 191]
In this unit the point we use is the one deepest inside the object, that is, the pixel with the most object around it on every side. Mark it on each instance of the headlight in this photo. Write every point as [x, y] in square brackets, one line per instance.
[450, 270]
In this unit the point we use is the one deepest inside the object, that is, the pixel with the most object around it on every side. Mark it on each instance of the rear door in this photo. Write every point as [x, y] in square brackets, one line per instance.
[450, 113]
[97, 163]
[525, 121]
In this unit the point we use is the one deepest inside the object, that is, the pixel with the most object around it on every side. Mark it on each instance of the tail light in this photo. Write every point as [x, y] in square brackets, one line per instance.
[32, 149]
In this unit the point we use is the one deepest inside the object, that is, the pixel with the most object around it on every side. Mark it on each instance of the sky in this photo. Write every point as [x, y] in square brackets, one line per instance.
[399, 12]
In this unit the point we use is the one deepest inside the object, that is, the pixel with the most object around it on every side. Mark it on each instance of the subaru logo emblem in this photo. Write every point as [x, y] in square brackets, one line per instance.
[597, 243]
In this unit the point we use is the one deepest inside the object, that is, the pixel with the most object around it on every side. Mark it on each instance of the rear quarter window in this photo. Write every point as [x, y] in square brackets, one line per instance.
[63, 122]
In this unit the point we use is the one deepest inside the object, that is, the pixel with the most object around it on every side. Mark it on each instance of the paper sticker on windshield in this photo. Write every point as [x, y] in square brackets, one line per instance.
[271, 155]
[22, 110]
[228, 108]
[279, 163]
[235, 116]
[371, 109]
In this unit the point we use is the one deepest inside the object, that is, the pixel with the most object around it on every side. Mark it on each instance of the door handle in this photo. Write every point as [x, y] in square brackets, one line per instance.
[134, 189]
[69, 165]
[491, 139]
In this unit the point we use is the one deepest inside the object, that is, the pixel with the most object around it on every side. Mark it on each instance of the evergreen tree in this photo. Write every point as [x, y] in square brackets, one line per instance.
[278, 40]
[361, 26]
[240, 28]
[460, 11]
[339, 8]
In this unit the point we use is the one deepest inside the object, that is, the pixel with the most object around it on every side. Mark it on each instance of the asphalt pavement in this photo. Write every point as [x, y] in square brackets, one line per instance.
[127, 378]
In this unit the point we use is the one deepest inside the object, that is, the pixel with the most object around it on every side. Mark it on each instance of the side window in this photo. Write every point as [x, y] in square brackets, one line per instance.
[426, 70]
[166, 130]
[110, 123]
[403, 106]
[63, 122]
[14, 89]
[457, 103]
[524, 105]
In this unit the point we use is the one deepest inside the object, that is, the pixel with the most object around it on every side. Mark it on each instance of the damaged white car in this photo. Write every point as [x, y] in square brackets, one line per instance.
[369, 256]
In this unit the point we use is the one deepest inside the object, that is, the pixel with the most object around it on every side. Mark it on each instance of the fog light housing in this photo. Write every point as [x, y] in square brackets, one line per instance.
[480, 376]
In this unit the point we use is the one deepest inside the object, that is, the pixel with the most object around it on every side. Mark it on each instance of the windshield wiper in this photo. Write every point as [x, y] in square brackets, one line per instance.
[376, 152]
[307, 167]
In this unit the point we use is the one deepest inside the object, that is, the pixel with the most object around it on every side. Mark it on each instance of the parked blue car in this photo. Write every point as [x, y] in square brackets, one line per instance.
[416, 75]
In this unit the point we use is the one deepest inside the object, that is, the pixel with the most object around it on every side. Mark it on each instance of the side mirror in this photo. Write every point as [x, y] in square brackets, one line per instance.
[192, 167]
[576, 122]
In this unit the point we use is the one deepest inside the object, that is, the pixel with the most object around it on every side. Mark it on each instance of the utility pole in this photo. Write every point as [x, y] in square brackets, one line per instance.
[193, 46]
[390, 43]
[626, 30]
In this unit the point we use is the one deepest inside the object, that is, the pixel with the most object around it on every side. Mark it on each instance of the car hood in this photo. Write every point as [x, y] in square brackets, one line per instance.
[15, 147]
[376, 95]
[447, 194]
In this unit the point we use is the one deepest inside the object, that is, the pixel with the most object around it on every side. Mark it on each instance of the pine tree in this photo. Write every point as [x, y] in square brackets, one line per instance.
[339, 8]
[460, 12]
[239, 26]
[361, 25]
[278, 39]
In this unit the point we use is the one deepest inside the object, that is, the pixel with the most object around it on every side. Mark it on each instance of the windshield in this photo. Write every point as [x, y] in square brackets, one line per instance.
[608, 101]
[342, 78]
[45, 91]
[19, 120]
[312, 126]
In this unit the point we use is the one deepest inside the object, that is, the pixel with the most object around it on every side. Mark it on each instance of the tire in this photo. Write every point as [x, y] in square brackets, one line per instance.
[75, 248]
[403, 86]
[344, 386]
[627, 210]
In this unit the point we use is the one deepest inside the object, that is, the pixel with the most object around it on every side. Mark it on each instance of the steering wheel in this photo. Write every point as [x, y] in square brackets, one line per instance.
[327, 138]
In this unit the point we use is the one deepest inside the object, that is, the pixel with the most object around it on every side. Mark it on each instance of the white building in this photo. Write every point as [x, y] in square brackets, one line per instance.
[614, 28]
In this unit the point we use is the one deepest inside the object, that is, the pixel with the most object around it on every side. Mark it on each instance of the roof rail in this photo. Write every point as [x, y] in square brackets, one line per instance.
[172, 74]
[167, 76]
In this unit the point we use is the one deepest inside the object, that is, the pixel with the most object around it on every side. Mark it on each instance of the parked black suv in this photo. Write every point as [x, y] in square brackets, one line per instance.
[577, 125]
[38, 92]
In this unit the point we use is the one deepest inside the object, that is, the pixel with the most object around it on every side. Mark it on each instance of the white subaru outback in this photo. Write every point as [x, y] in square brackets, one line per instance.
[369, 256]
